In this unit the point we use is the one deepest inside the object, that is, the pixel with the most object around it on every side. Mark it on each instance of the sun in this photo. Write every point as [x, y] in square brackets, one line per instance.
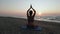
[39, 13]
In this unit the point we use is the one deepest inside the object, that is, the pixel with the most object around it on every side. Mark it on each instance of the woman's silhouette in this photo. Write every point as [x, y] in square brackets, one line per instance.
[30, 17]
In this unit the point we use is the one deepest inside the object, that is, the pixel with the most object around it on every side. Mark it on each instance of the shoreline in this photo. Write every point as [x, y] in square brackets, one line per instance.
[13, 25]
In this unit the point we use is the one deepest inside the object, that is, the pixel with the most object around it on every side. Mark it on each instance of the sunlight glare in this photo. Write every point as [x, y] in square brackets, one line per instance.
[39, 13]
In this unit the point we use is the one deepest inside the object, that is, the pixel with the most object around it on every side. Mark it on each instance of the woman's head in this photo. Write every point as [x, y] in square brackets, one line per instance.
[30, 12]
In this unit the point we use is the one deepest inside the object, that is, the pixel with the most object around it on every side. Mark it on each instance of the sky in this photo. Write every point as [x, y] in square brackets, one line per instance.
[18, 8]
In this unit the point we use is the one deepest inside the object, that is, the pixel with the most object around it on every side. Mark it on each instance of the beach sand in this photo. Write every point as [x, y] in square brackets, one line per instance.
[9, 25]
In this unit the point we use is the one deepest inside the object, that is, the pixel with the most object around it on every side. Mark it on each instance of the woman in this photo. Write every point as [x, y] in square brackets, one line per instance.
[30, 17]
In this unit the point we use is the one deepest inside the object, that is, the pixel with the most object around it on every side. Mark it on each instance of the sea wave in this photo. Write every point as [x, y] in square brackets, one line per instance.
[41, 19]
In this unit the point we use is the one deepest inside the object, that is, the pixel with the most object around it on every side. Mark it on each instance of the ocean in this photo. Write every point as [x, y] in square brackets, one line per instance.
[47, 18]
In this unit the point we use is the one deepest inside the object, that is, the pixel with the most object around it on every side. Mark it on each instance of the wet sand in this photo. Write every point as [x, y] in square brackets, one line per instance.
[9, 25]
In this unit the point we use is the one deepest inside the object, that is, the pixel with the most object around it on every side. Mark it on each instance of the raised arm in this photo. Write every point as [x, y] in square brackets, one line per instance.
[34, 12]
[28, 12]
